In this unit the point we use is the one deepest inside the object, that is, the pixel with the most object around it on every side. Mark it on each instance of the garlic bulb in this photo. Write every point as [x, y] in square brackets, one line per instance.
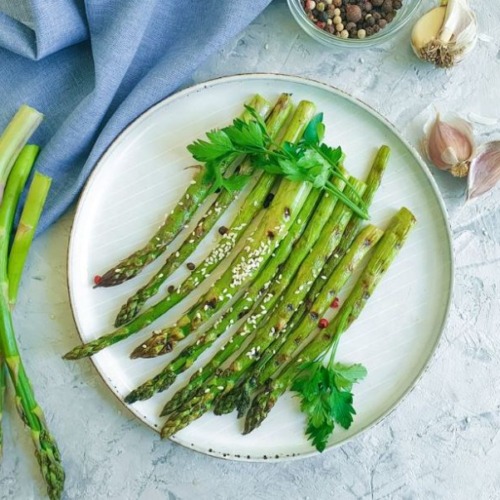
[449, 145]
[445, 34]
[484, 169]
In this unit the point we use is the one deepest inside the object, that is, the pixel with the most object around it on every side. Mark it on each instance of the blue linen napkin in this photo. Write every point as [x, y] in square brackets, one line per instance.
[93, 66]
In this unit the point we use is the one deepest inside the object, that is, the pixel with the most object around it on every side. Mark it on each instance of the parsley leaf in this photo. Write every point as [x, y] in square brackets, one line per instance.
[347, 375]
[309, 160]
[333, 155]
[236, 182]
[326, 398]
[217, 146]
[315, 130]
[258, 120]
[246, 136]
[325, 391]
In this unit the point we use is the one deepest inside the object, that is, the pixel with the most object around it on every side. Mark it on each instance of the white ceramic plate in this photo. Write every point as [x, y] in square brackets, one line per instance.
[140, 178]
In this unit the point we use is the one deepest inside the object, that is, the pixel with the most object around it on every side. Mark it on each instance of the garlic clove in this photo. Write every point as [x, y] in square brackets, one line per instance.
[444, 35]
[484, 170]
[427, 29]
[449, 144]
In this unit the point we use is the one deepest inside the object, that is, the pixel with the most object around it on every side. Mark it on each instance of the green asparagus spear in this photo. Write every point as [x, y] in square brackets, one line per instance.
[195, 195]
[30, 216]
[282, 349]
[246, 214]
[14, 137]
[276, 321]
[372, 182]
[189, 355]
[46, 450]
[129, 311]
[383, 255]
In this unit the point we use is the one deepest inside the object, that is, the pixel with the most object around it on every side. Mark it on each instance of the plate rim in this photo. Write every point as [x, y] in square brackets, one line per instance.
[275, 457]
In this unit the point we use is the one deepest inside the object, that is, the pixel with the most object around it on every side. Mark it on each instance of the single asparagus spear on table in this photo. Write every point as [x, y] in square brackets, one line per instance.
[46, 450]
[274, 323]
[195, 195]
[282, 349]
[25, 233]
[380, 260]
[256, 290]
[373, 182]
[274, 123]
[246, 214]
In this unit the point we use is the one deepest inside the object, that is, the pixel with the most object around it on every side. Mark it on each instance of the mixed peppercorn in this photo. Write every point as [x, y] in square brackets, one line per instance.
[351, 18]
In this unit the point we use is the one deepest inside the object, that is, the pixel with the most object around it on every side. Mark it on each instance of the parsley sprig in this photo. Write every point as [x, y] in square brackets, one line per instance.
[325, 392]
[309, 160]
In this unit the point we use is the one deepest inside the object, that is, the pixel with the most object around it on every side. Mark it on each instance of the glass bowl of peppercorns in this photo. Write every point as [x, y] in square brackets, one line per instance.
[352, 23]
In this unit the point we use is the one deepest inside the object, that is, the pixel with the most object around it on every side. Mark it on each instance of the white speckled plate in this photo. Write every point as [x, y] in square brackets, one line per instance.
[140, 178]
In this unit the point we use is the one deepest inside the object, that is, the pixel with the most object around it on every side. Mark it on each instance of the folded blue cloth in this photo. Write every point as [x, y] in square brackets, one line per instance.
[92, 66]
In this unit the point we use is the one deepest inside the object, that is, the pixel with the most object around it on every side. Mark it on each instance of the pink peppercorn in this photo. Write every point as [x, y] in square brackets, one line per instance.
[335, 303]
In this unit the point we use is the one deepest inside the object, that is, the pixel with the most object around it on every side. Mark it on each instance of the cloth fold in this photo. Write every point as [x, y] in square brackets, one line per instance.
[92, 67]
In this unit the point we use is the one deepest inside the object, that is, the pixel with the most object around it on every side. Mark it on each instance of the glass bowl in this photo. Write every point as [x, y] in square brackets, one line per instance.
[402, 17]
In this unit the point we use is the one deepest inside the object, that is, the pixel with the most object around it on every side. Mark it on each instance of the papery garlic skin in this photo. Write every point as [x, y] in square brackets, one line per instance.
[449, 145]
[484, 171]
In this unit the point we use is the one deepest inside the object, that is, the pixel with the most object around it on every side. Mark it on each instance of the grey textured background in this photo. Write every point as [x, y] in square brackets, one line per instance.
[443, 441]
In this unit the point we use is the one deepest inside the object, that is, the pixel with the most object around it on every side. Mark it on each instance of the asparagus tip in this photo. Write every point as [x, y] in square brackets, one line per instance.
[260, 408]
[110, 278]
[76, 353]
[153, 347]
